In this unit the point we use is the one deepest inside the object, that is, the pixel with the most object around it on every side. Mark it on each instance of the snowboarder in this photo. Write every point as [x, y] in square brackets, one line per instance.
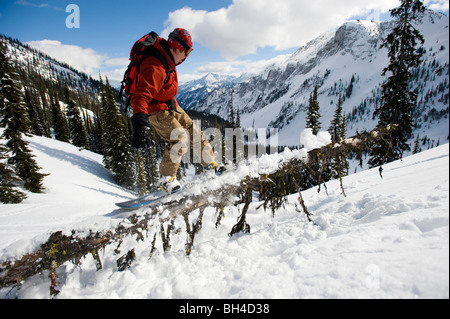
[154, 104]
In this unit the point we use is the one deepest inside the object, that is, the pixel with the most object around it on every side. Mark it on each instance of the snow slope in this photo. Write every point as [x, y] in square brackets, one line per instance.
[347, 61]
[388, 238]
[78, 189]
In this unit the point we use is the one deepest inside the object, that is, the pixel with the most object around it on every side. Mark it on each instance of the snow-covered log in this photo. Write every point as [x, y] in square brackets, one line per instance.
[273, 189]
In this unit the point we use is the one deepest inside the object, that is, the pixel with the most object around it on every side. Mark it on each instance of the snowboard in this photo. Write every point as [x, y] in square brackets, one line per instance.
[155, 196]
[144, 200]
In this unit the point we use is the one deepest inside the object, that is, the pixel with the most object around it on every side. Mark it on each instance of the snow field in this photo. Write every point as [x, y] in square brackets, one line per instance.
[388, 238]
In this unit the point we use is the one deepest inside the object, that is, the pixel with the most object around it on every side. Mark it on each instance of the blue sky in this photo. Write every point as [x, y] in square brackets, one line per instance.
[230, 36]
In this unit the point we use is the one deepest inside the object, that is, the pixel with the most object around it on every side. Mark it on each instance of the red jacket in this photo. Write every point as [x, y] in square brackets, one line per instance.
[151, 92]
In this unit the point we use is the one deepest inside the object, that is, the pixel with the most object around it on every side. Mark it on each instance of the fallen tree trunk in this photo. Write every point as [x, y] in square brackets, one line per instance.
[273, 189]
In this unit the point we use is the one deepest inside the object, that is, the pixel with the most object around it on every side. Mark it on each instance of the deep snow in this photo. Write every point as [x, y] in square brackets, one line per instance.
[388, 238]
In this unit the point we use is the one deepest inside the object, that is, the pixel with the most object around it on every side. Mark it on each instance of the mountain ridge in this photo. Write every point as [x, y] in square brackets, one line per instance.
[347, 61]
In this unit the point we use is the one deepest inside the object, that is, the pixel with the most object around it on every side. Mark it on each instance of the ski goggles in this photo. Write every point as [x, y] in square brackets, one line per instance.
[189, 51]
[186, 47]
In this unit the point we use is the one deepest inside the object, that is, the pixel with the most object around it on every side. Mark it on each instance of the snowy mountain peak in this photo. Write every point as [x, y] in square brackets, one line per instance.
[372, 27]
[347, 61]
[191, 92]
[211, 78]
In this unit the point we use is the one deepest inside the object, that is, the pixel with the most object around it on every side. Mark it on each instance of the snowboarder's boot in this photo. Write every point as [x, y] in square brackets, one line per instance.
[170, 184]
[218, 168]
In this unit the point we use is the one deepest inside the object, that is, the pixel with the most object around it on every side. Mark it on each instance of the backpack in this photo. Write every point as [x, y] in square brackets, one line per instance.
[142, 48]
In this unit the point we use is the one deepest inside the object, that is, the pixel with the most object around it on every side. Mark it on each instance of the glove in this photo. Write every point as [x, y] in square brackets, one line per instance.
[141, 131]
[172, 105]
[141, 138]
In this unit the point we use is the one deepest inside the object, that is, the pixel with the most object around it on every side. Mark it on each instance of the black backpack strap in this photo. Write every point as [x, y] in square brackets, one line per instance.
[148, 51]
[155, 53]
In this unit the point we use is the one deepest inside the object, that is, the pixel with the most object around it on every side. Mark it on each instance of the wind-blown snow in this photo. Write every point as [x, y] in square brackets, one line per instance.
[311, 141]
[388, 238]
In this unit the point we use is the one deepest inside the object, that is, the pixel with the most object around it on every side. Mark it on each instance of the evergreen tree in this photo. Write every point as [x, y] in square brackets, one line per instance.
[146, 170]
[343, 132]
[8, 192]
[349, 90]
[77, 129]
[95, 135]
[340, 165]
[398, 102]
[141, 178]
[336, 122]
[312, 122]
[417, 148]
[45, 110]
[231, 110]
[14, 117]
[220, 128]
[38, 121]
[116, 149]
[238, 118]
[60, 125]
[313, 115]
[151, 169]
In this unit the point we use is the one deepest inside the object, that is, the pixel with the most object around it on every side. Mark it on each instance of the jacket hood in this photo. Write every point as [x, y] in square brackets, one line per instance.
[163, 46]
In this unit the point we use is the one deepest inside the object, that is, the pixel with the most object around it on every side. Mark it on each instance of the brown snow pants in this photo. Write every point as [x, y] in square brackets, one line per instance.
[178, 129]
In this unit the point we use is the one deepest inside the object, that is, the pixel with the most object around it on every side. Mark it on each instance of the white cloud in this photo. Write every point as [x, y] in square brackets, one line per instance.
[437, 5]
[223, 67]
[36, 5]
[239, 67]
[93, 63]
[235, 68]
[247, 25]
[29, 4]
[117, 62]
[87, 60]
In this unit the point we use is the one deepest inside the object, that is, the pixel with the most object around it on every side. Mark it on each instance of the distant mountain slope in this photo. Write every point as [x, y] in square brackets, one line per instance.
[32, 62]
[193, 91]
[348, 61]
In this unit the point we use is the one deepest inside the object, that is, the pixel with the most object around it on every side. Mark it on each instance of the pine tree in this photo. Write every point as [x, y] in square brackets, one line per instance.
[349, 90]
[146, 170]
[231, 110]
[38, 121]
[220, 129]
[343, 132]
[77, 129]
[8, 192]
[397, 101]
[312, 122]
[14, 117]
[60, 125]
[313, 115]
[141, 178]
[116, 149]
[417, 148]
[95, 135]
[341, 165]
[336, 122]
[45, 110]
[151, 169]
[238, 118]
